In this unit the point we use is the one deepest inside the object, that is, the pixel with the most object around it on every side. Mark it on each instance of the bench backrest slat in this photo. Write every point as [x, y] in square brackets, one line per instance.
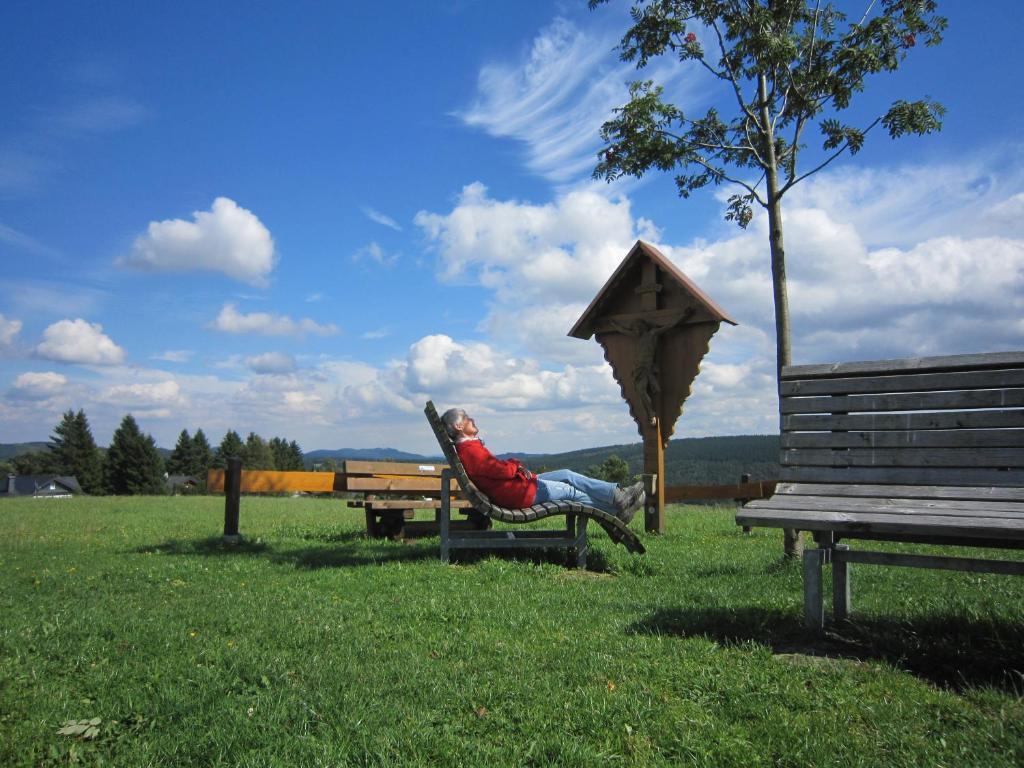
[954, 421]
[422, 469]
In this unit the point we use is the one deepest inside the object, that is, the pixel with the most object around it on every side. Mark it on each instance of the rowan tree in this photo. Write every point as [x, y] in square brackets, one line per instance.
[790, 70]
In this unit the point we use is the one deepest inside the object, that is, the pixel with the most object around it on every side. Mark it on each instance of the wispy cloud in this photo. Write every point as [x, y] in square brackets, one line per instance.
[175, 356]
[314, 297]
[25, 242]
[377, 333]
[556, 99]
[381, 218]
[374, 252]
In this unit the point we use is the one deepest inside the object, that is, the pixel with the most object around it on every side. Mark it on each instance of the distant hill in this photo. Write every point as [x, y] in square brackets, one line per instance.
[364, 454]
[10, 450]
[688, 461]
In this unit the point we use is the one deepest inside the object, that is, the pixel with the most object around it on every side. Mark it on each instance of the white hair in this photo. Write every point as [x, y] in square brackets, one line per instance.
[452, 419]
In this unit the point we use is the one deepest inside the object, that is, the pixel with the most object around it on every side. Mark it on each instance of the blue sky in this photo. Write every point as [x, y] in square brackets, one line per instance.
[305, 219]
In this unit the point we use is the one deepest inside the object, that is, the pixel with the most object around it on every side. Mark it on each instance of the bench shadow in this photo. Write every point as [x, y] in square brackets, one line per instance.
[946, 650]
[349, 549]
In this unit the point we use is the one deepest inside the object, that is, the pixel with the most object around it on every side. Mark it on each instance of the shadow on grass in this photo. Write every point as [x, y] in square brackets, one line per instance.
[950, 651]
[212, 546]
[354, 549]
[597, 562]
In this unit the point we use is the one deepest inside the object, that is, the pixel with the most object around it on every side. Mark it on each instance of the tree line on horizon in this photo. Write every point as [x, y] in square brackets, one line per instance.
[133, 465]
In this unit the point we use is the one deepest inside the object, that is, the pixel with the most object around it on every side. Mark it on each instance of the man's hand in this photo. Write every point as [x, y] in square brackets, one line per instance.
[524, 472]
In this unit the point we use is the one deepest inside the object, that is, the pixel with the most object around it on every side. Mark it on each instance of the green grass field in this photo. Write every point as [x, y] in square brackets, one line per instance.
[310, 645]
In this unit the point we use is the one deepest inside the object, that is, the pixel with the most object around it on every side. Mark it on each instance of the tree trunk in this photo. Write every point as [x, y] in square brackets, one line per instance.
[792, 543]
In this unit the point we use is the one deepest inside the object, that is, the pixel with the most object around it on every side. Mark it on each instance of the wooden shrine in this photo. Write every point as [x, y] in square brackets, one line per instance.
[655, 326]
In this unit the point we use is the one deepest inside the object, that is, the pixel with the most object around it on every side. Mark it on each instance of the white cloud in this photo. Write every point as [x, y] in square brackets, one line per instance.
[149, 395]
[77, 341]
[376, 333]
[8, 330]
[41, 385]
[381, 218]
[227, 239]
[271, 362]
[230, 320]
[175, 356]
[374, 252]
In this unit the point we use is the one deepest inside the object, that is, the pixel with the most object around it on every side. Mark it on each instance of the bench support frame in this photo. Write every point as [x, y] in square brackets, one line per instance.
[840, 557]
[573, 538]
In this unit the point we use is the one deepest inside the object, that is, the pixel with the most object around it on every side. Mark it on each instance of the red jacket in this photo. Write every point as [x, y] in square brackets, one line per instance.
[507, 483]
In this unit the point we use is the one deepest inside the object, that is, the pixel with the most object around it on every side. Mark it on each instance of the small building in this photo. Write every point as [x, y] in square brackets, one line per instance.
[40, 486]
[181, 484]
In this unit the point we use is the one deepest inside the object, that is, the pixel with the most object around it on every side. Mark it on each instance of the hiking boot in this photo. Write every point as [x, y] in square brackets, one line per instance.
[628, 501]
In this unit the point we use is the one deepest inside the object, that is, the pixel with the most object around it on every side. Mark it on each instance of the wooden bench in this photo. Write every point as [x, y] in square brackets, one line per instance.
[393, 491]
[572, 538]
[924, 450]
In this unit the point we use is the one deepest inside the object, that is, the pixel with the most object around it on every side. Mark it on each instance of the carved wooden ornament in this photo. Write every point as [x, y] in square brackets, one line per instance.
[655, 326]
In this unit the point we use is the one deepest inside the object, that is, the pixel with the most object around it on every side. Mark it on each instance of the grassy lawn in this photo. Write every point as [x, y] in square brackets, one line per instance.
[310, 645]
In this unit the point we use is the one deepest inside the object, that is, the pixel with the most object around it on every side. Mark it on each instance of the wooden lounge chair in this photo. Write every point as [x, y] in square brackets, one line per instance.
[572, 537]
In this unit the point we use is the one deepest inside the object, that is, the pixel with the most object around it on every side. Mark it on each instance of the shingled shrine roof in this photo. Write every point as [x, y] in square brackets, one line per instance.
[584, 327]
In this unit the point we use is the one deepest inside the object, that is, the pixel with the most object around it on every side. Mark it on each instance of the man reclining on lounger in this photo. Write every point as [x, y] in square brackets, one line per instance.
[510, 484]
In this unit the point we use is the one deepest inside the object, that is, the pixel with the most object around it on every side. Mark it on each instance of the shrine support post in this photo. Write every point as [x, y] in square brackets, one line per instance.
[654, 464]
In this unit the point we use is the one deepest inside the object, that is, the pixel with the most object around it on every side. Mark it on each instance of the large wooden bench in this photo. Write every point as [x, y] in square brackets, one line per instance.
[393, 492]
[923, 450]
[572, 538]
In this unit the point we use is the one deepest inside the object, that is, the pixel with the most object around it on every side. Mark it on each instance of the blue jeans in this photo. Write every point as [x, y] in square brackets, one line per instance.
[566, 485]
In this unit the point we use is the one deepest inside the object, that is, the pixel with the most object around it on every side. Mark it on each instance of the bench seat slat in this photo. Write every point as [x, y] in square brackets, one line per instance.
[903, 475]
[905, 401]
[879, 523]
[991, 419]
[941, 507]
[908, 382]
[903, 457]
[900, 491]
[405, 504]
[424, 469]
[944, 438]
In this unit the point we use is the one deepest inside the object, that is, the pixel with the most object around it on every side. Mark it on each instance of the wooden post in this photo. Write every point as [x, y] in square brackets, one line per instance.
[232, 499]
[654, 464]
[744, 479]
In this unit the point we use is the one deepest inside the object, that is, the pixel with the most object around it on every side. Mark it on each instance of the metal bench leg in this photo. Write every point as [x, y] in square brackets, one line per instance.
[444, 514]
[814, 612]
[840, 583]
[576, 526]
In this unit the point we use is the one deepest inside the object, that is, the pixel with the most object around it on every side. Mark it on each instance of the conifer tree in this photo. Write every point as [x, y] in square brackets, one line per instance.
[279, 450]
[298, 461]
[256, 453]
[180, 461]
[231, 445]
[133, 464]
[75, 453]
[202, 456]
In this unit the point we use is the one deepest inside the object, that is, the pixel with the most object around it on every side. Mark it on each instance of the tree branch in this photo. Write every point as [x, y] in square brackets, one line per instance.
[732, 75]
[838, 152]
